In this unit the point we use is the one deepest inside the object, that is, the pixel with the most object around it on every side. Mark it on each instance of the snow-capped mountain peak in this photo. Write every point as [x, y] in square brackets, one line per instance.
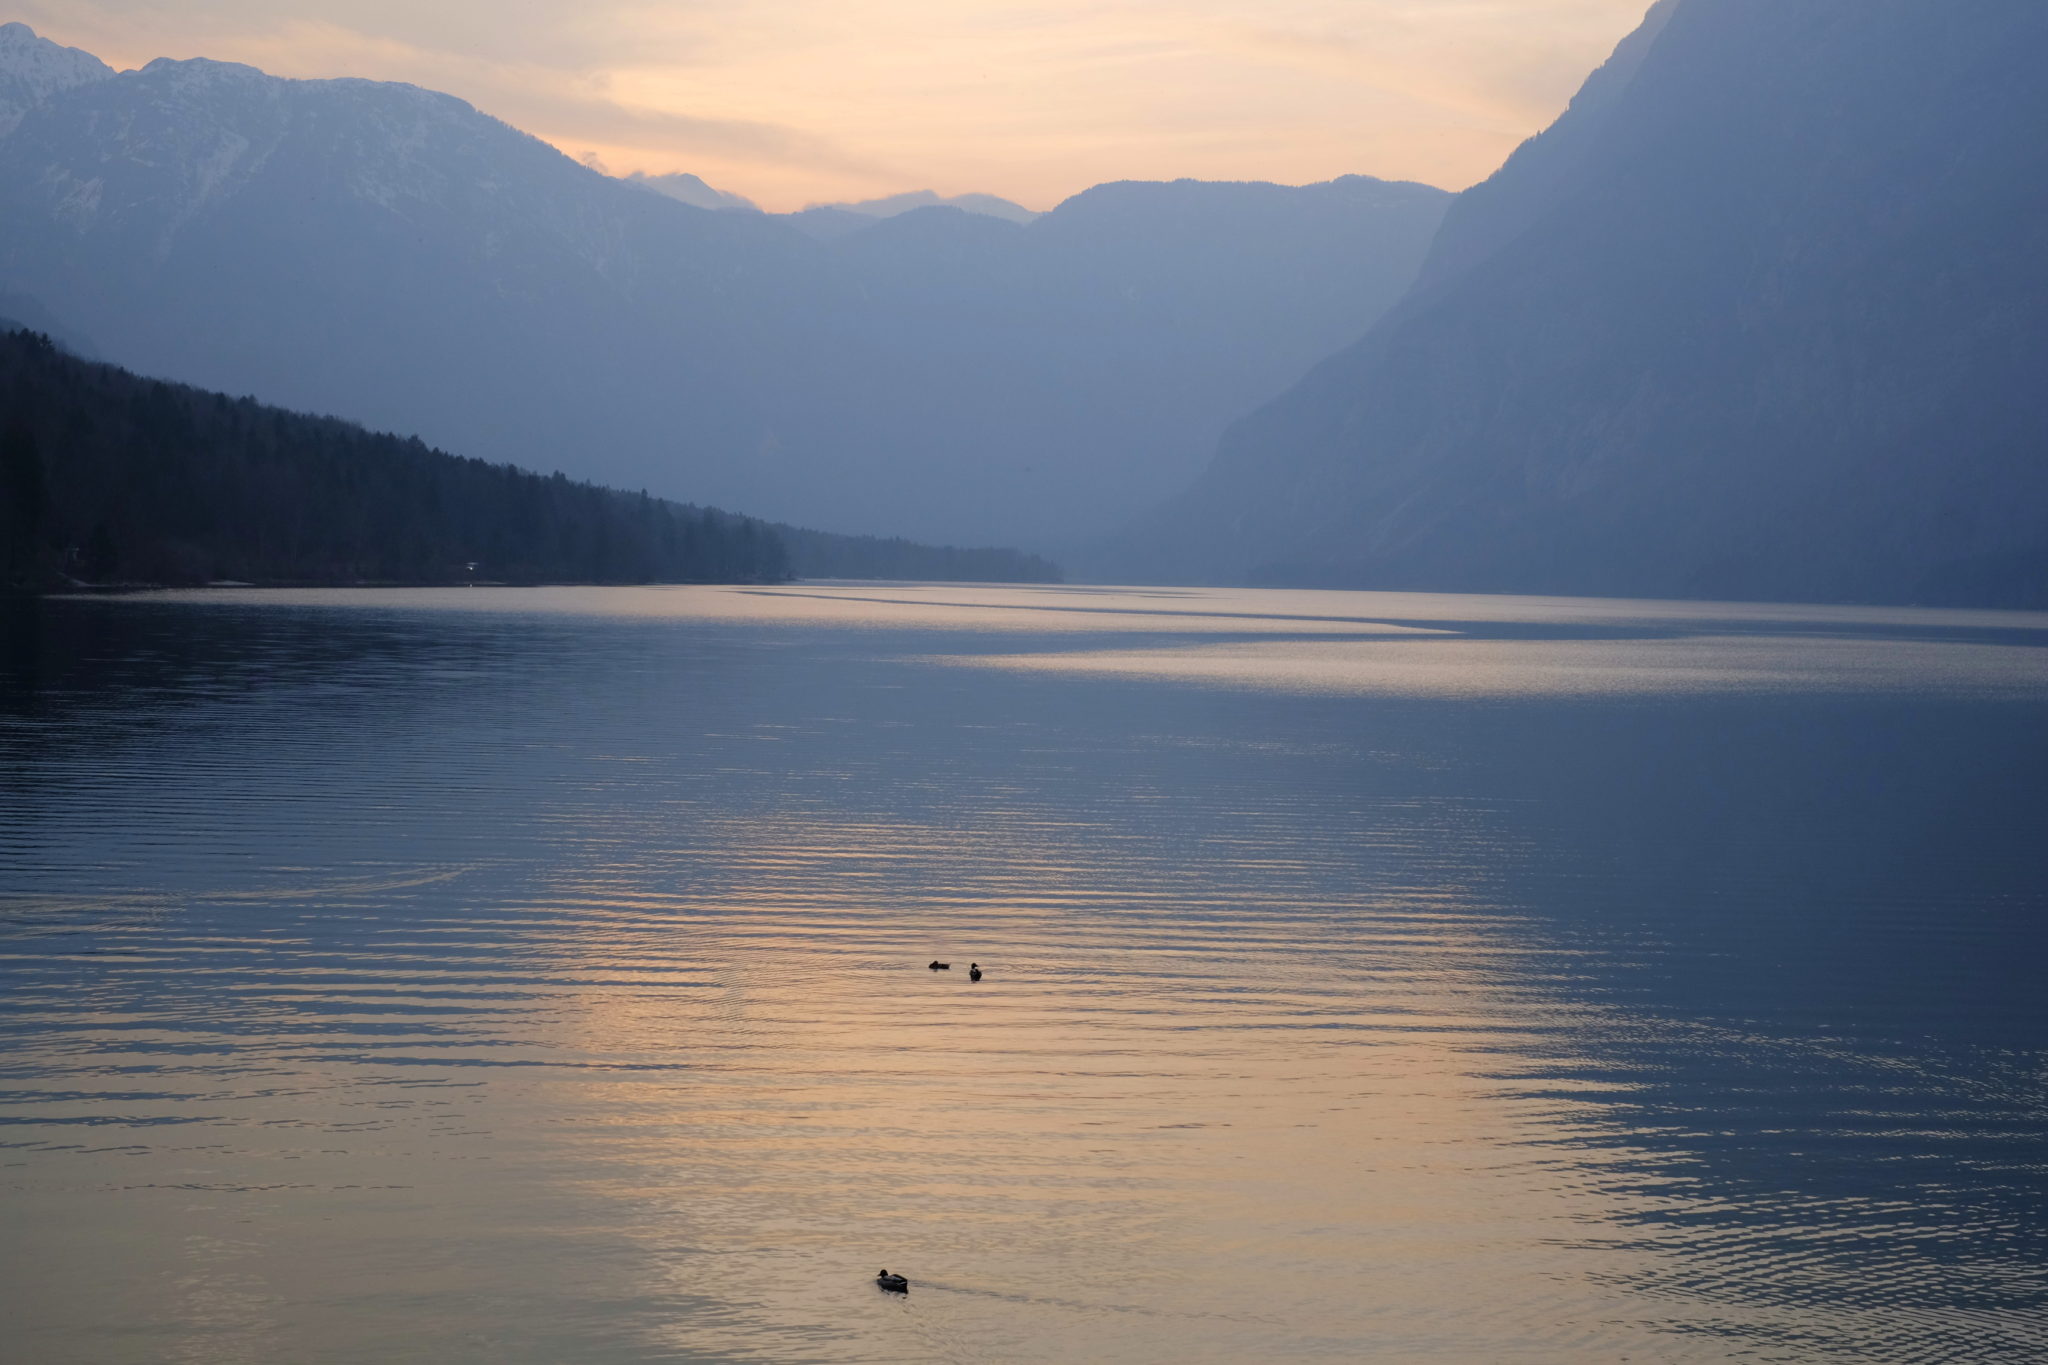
[33, 68]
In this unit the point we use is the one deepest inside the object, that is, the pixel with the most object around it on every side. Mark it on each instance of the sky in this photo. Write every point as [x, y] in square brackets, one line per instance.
[800, 101]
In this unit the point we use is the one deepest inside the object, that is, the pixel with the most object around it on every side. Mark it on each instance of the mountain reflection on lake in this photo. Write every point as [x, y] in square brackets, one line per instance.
[539, 976]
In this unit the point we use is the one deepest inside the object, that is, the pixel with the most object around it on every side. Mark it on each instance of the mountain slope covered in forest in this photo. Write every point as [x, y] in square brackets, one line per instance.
[109, 478]
[394, 256]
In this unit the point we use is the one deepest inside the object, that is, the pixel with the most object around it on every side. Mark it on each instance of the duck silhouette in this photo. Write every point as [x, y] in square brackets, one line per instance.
[974, 971]
[895, 1284]
[939, 966]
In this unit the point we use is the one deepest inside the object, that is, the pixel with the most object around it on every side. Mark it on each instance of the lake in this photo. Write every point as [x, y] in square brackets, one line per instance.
[539, 975]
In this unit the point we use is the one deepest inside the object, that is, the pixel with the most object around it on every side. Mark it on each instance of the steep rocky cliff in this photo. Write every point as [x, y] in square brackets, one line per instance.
[1764, 315]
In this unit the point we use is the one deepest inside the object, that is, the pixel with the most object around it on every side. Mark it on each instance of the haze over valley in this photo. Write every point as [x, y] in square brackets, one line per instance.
[954, 682]
[1632, 364]
[389, 255]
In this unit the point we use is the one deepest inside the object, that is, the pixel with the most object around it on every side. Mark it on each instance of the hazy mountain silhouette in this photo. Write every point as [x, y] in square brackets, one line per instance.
[692, 190]
[392, 256]
[1764, 315]
[389, 255]
[25, 312]
[1064, 368]
[822, 223]
[829, 221]
[106, 477]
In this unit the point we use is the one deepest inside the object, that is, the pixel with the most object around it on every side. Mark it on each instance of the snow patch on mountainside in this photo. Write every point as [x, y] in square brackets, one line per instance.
[689, 189]
[394, 255]
[75, 202]
[32, 69]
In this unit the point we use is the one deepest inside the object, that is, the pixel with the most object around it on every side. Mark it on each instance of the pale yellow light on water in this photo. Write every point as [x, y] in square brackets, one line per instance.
[518, 976]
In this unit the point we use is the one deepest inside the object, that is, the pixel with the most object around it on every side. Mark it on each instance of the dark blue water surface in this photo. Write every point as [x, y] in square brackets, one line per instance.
[539, 976]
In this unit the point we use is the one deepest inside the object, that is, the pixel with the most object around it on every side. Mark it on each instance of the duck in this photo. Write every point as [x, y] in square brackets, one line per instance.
[938, 966]
[974, 971]
[895, 1284]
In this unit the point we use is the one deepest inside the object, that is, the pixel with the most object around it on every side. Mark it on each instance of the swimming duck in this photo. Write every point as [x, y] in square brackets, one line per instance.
[974, 971]
[895, 1284]
[938, 966]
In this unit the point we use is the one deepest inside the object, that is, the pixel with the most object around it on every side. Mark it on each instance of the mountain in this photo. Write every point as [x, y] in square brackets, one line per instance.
[1763, 315]
[392, 256]
[891, 205]
[106, 477]
[33, 69]
[829, 221]
[823, 223]
[24, 312]
[389, 255]
[113, 479]
[689, 189]
[1065, 372]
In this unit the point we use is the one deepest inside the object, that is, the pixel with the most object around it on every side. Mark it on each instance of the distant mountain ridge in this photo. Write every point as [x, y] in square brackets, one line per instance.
[1763, 315]
[689, 189]
[830, 222]
[392, 256]
[889, 206]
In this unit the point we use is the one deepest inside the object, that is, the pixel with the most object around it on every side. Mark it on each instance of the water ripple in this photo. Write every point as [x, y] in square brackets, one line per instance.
[546, 982]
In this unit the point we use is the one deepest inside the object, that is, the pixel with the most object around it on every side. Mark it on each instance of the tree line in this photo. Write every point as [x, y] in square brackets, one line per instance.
[107, 478]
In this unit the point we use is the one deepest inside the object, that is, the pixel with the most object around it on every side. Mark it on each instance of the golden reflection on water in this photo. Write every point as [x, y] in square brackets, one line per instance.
[1001, 607]
[1360, 643]
[1076, 1158]
[1471, 669]
[1138, 1110]
[582, 1014]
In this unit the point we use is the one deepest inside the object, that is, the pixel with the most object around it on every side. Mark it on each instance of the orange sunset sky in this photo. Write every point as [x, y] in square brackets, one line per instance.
[799, 101]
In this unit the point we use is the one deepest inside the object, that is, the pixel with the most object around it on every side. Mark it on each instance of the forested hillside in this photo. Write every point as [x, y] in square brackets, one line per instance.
[396, 257]
[109, 478]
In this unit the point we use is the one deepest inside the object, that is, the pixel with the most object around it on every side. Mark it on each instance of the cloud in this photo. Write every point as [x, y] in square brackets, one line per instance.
[515, 32]
[1475, 90]
[534, 77]
[590, 119]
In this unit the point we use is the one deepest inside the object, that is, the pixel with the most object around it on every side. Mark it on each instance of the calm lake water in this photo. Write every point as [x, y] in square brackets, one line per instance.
[539, 976]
